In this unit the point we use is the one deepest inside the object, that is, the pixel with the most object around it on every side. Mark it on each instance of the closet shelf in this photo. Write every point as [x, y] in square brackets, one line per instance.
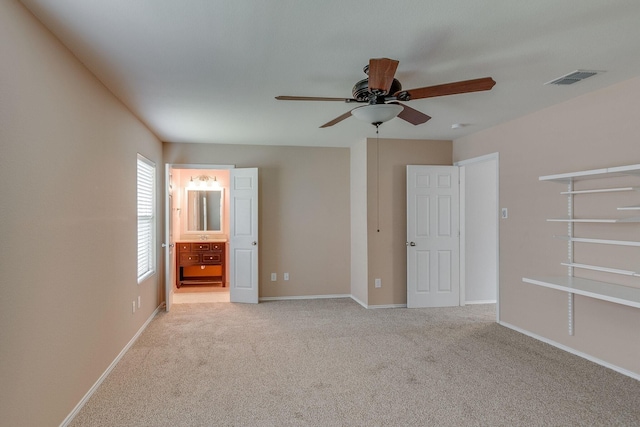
[603, 269]
[611, 292]
[602, 190]
[629, 208]
[600, 241]
[595, 220]
[592, 174]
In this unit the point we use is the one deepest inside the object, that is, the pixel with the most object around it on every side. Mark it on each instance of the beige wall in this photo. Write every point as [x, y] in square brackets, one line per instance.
[387, 211]
[597, 130]
[304, 212]
[67, 224]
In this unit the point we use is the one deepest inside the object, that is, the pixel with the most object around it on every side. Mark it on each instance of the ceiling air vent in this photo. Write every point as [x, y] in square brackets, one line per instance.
[573, 77]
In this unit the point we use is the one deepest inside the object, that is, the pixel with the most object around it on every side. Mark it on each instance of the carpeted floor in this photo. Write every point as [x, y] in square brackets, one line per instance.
[334, 363]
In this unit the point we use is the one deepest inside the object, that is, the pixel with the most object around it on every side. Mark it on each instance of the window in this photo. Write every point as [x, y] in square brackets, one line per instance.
[146, 218]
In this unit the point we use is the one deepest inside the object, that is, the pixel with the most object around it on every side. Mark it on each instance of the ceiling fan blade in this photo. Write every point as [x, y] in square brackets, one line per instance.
[466, 86]
[412, 115]
[381, 72]
[312, 98]
[337, 119]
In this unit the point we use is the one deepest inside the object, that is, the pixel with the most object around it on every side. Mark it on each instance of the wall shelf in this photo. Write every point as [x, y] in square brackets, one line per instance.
[618, 294]
[598, 268]
[602, 190]
[599, 241]
[593, 174]
[611, 292]
[596, 220]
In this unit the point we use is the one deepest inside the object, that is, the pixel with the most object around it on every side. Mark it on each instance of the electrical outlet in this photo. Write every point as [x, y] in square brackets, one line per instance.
[138, 301]
[133, 306]
[378, 283]
[286, 276]
[274, 277]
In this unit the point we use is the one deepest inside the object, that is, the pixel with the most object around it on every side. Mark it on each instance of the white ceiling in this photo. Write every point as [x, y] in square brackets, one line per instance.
[208, 70]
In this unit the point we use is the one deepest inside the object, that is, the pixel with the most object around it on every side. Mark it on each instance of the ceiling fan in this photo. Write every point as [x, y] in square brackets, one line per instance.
[381, 91]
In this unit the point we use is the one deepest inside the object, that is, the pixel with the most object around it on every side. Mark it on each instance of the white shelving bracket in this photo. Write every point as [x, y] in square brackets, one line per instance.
[570, 312]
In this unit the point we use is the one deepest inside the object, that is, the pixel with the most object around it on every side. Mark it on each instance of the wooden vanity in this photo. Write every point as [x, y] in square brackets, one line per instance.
[200, 263]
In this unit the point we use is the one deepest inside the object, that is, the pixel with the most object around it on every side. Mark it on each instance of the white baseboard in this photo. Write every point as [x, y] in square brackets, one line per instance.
[600, 362]
[301, 297]
[106, 373]
[304, 297]
[358, 301]
[387, 306]
[489, 301]
[377, 306]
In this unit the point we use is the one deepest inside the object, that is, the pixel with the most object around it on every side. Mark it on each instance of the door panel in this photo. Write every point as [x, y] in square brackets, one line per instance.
[244, 236]
[433, 259]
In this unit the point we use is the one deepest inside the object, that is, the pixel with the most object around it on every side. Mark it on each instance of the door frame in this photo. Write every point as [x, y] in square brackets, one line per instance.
[461, 164]
[169, 265]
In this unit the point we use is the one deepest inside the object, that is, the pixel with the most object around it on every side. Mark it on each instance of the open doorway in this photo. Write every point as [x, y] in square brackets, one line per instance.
[228, 251]
[479, 236]
[199, 228]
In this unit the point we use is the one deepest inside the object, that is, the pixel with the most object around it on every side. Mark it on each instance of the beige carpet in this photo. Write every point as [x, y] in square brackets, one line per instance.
[334, 363]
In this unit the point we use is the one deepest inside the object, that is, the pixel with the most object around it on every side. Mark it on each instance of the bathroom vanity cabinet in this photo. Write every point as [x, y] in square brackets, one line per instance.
[200, 263]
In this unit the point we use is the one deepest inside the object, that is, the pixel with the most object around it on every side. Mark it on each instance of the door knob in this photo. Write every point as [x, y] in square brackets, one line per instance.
[412, 243]
[254, 243]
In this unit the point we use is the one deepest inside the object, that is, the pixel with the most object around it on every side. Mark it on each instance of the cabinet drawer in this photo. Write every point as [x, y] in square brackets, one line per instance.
[212, 258]
[217, 247]
[201, 246]
[184, 247]
[189, 258]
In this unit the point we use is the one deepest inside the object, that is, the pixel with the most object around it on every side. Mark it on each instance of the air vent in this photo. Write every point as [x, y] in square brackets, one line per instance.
[574, 77]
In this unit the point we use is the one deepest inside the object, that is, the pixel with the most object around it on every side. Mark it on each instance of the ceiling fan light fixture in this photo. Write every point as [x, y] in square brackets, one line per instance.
[377, 113]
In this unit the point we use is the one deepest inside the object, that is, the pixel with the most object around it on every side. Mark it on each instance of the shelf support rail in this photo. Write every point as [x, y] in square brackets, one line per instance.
[570, 193]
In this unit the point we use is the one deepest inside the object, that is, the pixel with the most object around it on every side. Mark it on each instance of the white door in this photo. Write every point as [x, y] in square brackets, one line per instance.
[243, 250]
[168, 245]
[433, 236]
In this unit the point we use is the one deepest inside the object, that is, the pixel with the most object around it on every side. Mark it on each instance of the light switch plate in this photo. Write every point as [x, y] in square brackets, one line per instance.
[505, 213]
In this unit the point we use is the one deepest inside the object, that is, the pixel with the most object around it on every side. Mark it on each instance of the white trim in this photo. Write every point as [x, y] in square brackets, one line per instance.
[199, 166]
[358, 301]
[485, 158]
[492, 301]
[600, 362]
[304, 297]
[462, 239]
[387, 306]
[106, 373]
[377, 306]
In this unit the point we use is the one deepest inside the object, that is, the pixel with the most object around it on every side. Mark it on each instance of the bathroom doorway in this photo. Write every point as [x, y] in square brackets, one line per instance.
[198, 228]
[203, 250]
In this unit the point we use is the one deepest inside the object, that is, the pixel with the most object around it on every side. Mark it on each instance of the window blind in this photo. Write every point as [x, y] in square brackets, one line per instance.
[146, 217]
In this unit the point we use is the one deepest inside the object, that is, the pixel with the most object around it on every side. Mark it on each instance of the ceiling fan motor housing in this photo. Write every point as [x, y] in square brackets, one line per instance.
[361, 91]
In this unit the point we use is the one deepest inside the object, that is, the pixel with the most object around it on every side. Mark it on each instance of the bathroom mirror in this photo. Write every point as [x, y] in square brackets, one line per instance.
[204, 210]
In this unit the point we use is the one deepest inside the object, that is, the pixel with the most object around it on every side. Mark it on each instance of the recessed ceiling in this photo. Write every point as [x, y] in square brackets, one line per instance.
[207, 71]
